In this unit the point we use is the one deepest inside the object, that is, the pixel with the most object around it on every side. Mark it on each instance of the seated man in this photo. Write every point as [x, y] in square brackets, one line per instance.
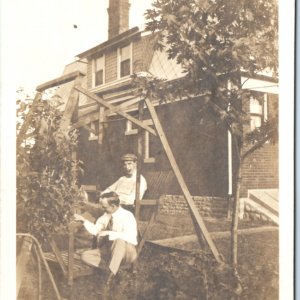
[125, 186]
[116, 231]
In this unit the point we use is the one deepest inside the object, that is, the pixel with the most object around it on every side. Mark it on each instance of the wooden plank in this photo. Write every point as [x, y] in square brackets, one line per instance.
[148, 202]
[199, 221]
[90, 129]
[22, 260]
[28, 118]
[92, 112]
[139, 164]
[86, 111]
[58, 81]
[143, 239]
[58, 256]
[102, 119]
[110, 106]
[123, 106]
[86, 120]
[71, 257]
[185, 239]
[71, 106]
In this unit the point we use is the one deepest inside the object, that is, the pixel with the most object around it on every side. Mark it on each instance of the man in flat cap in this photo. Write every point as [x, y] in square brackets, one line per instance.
[125, 186]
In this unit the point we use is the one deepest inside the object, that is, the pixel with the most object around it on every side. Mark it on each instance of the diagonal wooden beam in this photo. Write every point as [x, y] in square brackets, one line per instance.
[93, 113]
[102, 119]
[86, 120]
[119, 112]
[22, 261]
[28, 118]
[195, 213]
[122, 106]
[71, 106]
[139, 163]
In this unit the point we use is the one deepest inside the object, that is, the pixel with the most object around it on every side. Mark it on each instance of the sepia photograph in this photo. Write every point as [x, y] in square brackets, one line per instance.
[148, 160]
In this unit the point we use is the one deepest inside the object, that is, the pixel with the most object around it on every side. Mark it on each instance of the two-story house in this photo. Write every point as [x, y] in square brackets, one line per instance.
[200, 145]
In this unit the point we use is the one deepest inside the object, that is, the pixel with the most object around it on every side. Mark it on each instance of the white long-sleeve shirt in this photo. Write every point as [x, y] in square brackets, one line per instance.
[124, 226]
[125, 188]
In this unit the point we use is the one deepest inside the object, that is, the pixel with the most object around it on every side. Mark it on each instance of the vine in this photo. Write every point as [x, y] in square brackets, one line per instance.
[47, 168]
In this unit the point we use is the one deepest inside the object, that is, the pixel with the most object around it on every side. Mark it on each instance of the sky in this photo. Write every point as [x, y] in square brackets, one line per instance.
[40, 38]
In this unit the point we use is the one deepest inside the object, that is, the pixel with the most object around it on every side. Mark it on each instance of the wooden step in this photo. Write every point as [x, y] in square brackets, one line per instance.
[79, 268]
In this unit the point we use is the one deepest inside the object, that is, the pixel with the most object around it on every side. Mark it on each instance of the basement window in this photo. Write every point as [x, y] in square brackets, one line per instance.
[258, 110]
[99, 71]
[125, 61]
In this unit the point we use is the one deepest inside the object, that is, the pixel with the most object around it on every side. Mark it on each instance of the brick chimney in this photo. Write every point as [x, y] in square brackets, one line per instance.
[118, 17]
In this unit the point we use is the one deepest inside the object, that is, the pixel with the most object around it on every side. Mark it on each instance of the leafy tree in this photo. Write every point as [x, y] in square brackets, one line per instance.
[215, 42]
[46, 168]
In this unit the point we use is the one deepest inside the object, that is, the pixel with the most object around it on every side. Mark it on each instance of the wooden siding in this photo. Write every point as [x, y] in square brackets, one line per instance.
[142, 54]
[111, 69]
[201, 159]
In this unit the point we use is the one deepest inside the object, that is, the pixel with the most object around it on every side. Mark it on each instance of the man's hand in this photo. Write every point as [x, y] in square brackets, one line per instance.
[103, 233]
[79, 218]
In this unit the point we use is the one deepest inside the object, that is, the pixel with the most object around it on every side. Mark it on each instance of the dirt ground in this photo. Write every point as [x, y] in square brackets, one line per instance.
[170, 274]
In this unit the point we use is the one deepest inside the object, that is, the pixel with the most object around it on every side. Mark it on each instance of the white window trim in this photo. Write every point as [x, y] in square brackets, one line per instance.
[92, 136]
[265, 107]
[264, 114]
[119, 62]
[94, 70]
[146, 139]
[129, 130]
[147, 157]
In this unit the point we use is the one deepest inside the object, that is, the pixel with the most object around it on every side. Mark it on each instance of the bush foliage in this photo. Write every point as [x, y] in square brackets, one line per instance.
[46, 169]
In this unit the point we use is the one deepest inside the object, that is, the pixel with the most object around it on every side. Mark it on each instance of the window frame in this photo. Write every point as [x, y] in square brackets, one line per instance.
[263, 102]
[120, 61]
[94, 70]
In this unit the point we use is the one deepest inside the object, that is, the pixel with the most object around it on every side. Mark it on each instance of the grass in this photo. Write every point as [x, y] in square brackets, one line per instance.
[172, 275]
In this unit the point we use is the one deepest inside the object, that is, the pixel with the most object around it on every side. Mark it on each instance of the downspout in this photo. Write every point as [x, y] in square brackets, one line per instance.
[229, 161]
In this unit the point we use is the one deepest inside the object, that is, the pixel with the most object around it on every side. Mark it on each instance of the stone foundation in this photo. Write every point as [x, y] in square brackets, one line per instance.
[249, 210]
[214, 207]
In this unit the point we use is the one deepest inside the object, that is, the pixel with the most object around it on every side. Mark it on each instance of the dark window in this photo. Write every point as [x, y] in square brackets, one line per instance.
[99, 70]
[125, 67]
[99, 77]
[125, 61]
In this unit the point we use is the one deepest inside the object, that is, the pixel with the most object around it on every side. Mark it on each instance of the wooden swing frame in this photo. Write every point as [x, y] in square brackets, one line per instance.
[69, 260]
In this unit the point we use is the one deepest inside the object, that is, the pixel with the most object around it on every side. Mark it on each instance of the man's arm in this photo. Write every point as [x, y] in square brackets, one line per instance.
[111, 188]
[92, 228]
[143, 186]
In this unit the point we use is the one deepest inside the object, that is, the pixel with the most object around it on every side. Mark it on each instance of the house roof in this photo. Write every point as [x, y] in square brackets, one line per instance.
[163, 67]
[110, 43]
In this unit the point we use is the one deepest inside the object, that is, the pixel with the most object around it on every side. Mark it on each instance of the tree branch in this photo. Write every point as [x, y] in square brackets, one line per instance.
[255, 147]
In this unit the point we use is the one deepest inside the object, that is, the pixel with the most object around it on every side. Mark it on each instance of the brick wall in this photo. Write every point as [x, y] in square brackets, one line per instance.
[215, 207]
[260, 169]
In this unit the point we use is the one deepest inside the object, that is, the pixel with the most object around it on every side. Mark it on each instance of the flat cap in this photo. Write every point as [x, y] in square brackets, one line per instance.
[129, 156]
